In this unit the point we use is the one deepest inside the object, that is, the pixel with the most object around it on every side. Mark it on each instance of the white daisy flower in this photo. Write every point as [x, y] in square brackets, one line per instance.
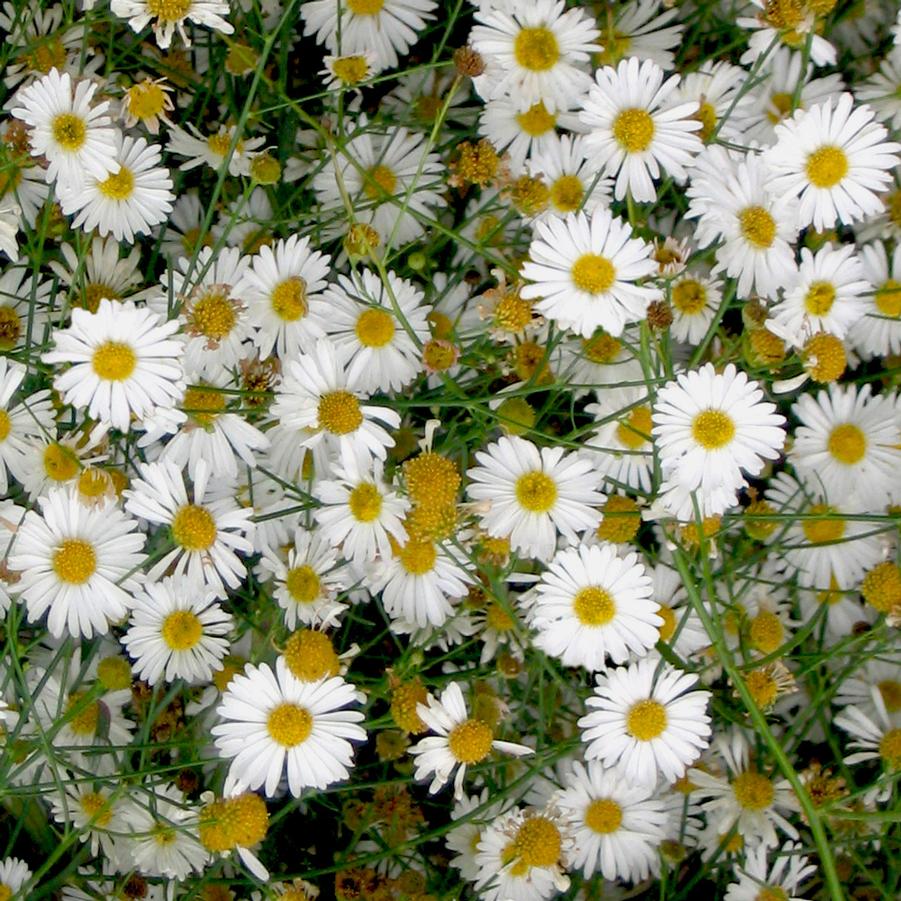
[283, 290]
[359, 513]
[826, 551]
[212, 315]
[622, 437]
[76, 138]
[213, 149]
[171, 15]
[319, 393]
[874, 689]
[584, 272]
[177, 631]
[598, 363]
[634, 133]
[208, 528]
[847, 445]
[592, 604]
[124, 361]
[647, 721]
[744, 798]
[126, 203]
[571, 175]
[164, 840]
[882, 90]
[100, 816]
[419, 580]
[616, 827]
[878, 332]
[14, 873]
[636, 30]
[463, 840]
[732, 200]
[695, 300]
[148, 102]
[307, 582]
[722, 105]
[835, 159]
[22, 422]
[828, 295]
[531, 495]
[372, 322]
[460, 741]
[273, 722]
[520, 135]
[385, 28]
[522, 854]
[787, 24]
[533, 53]
[10, 519]
[783, 879]
[78, 562]
[709, 429]
[875, 738]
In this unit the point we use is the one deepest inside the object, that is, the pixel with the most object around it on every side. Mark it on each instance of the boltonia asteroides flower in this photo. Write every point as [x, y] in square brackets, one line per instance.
[171, 15]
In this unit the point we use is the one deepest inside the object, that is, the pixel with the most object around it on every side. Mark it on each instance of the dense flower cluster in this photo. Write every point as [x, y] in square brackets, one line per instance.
[450, 449]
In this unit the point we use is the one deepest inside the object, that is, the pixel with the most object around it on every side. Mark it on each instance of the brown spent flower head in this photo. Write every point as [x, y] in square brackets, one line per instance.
[475, 164]
[660, 315]
[469, 62]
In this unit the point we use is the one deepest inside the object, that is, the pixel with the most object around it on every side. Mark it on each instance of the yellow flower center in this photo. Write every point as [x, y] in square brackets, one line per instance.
[365, 502]
[5, 425]
[635, 430]
[890, 690]
[888, 299]
[194, 528]
[181, 630]
[74, 561]
[470, 741]
[365, 7]
[374, 328]
[757, 226]
[380, 182]
[114, 673]
[441, 325]
[431, 478]
[10, 328]
[753, 791]
[536, 49]
[713, 429]
[97, 807]
[289, 299]
[763, 688]
[94, 292]
[689, 297]
[668, 629]
[497, 618]
[221, 141]
[594, 606]
[646, 720]
[766, 632]
[303, 584]
[634, 130]
[339, 413]
[772, 893]
[706, 115]
[169, 10]
[512, 313]
[311, 656]
[119, 186]
[536, 492]
[824, 357]
[819, 298]
[593, 273]
[69, 131]
[881, 587]
[289, 724]
[85, 721]
[847, 444]
[602, 349]
[241, 821]
[537, 843]
[890, 748]
[214, 315]
[60, 463]
[827, 166]
[114, 361]
[536, 120]
[47, 56]
[782, 106]
[351, 69]
[567, 193]
[203, 406]
[821, 531]
[621, 519]
[418, 557]
[439, 356]
[404, 698]
[94, 483]
[145, 100]
[603, 816]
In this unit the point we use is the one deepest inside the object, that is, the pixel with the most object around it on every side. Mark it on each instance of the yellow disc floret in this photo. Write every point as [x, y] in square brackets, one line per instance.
[536, 492]
[339, 412]
[753, 791]
[593, 273]
[603, 816]
[311, 656]
[194, 528]
[114, 361]
[713, 429]
[289, 724]
[634, 130]
[536, 49]
[470, 741]
[594, 606]
[827, 166]
[646, 720]
[74, 561]
[181, 630]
